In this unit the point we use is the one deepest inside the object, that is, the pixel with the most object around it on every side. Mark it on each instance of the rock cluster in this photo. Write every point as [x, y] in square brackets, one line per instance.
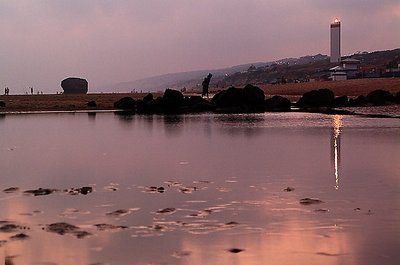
[249, 99]
[326, 98]
[172, 102]
[317, 98]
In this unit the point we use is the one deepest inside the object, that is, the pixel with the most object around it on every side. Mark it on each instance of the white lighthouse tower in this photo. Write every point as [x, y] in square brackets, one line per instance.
[335, 41]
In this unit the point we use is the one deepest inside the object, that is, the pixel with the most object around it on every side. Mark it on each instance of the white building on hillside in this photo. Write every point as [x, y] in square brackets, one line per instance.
[338, 73]
[350, 64]
[349, 68]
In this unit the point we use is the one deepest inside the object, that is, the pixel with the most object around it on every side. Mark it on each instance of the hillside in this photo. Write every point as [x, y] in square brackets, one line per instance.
[372, 64]
[289, 70]
[174, 80]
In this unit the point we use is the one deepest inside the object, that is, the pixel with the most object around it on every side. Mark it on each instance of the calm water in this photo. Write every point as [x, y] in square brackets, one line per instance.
[224, 179]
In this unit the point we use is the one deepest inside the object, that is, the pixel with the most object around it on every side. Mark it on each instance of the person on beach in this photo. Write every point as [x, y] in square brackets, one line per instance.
[31, 90]
[205, 84]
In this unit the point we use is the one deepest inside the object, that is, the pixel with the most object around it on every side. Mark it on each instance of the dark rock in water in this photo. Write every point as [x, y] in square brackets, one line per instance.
[65, 228]
[11, 190]
[187, 190]
[166, 211]
[253, 95]
[358, 102]
[109, 227]
[141, 106]
[181, 254]
[9, 260]
[277, 103]
[40, 192]
[126, 103]
[151, 106]
[147, 104]
[232, 97]
[92, 104]
[61, 228]
[149, 97]
[232, 223]
[289, 189]
[193, 100]
[235, 250]
[9, 228]
[380, 97]
[199, 104]
[342, 101]
[227, 98]
[74, 85]
[154, 189]
[171, 100]
[248, 99]
[83, 190]
[309, 201]
[322, 210]
[20, 236]
[2, 104]
[317, 98]
[118, 213]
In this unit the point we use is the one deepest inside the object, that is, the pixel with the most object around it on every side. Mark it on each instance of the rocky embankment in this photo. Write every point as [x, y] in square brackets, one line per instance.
[251, 99]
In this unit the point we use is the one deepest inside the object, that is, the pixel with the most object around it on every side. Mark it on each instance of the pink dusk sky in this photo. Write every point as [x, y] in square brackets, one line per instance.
[111, 41]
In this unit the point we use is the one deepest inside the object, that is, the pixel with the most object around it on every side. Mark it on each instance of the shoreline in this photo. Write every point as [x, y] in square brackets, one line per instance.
[334, 111]
[63, 102]
[104, 102]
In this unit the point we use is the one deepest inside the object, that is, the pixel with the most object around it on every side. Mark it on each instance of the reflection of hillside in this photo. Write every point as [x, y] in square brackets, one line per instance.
[337, 125]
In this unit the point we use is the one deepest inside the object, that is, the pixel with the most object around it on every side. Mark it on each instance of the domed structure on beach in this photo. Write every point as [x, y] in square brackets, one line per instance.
[75, 85]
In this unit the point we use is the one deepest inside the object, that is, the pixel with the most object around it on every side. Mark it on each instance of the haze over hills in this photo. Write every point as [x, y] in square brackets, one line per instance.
[288, 69]
[174, 80]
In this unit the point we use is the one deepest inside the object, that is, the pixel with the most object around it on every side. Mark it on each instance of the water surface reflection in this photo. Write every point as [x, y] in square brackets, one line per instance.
[200, 189]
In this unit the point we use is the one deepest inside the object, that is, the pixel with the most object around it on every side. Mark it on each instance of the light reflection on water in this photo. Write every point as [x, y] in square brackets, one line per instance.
[223, 179]
[337, 125]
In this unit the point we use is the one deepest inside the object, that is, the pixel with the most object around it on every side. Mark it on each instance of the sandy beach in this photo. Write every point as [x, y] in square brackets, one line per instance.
[63, 102]
[105, 101]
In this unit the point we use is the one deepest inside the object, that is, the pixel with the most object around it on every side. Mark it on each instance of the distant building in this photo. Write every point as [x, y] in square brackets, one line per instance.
[335, 41]
[350, 64]
[338, 73]
[349, 68]
[393, 69]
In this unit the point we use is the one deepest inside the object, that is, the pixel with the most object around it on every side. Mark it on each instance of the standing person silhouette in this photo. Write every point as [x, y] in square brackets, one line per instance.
[205, 84]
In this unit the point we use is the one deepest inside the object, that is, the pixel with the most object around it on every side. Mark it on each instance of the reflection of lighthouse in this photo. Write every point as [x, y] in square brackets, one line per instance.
[335, 41]
[337, 125]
